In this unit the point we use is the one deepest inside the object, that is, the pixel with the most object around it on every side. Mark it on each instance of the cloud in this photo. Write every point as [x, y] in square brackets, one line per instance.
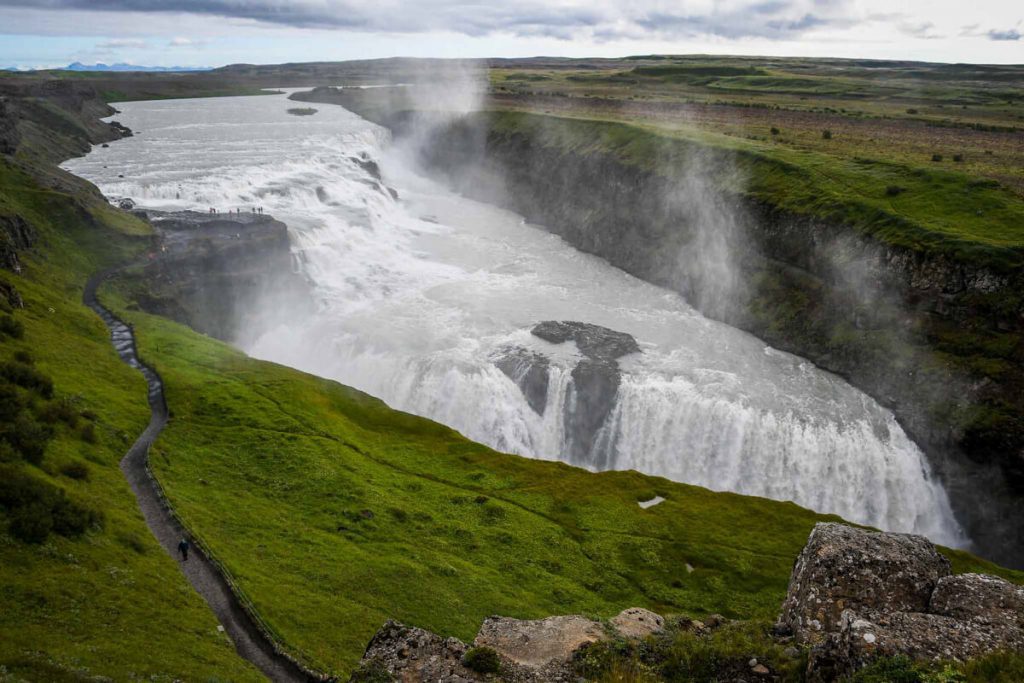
[560, 19]
[1008, 34]
[924, 30]
[121, 43]
[182, 41]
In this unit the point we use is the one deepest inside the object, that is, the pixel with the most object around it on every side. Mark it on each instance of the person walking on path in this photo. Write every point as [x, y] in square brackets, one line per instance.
[183, 549]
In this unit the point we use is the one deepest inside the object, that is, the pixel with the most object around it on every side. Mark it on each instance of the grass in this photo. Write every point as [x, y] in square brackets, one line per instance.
[334, 513]
[939, 210]
[110, 603]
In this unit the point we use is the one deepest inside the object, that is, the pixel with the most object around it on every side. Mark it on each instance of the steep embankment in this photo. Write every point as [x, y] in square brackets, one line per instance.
[907, 282]
[204, 576]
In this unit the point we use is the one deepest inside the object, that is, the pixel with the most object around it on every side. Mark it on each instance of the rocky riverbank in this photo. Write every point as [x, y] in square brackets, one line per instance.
[935, 336]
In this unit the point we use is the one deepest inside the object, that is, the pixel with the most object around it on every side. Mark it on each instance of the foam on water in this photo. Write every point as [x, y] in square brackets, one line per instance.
[416, 298]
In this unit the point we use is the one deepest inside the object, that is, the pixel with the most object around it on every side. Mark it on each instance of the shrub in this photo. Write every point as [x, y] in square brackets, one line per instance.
[59, 411]
[958, 157]
[7, 452]
[88, 433]
[71, 519]
[996, 667]
[372, 671]
[911, 111]
[893, 190]
[889, 670]
[483, 660]
[10, 402]
[78, 471]
[11, 328]
[775, 131]
[28, 438]
[28, 377]
[31, 523]
[37, 508]
[24, 357]
[493, 514]
[826, 134]
[936, 157]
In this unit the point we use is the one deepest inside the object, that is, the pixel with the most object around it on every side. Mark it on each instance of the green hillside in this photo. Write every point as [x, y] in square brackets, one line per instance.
[108, 601]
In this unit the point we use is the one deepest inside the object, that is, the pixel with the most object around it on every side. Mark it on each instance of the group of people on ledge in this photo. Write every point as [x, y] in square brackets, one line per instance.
[254, 209]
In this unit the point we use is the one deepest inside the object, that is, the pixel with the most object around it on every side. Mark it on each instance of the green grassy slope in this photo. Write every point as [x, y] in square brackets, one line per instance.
[334, 513]
[110, 603]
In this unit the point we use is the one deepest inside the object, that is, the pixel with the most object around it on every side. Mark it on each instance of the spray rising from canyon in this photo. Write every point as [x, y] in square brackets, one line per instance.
[420, 298]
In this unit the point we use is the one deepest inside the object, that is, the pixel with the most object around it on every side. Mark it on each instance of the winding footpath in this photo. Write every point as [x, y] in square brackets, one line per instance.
[250, 641]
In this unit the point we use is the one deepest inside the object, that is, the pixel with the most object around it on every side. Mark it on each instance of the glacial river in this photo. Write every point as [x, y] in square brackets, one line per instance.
[417, 297]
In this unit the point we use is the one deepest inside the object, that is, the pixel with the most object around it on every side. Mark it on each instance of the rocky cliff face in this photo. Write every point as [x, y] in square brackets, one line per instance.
[16, 234]
[855, 596]
[221, 274]
[936, 339]
[53, 120]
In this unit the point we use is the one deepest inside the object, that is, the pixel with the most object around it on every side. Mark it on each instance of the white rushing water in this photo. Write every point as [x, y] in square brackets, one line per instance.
[417, 297]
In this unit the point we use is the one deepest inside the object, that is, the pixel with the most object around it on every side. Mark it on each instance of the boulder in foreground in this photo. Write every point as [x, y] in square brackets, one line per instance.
[525, 651]
[856, 595]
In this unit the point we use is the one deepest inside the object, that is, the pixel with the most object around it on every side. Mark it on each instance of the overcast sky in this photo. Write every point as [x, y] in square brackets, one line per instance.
[43, 33]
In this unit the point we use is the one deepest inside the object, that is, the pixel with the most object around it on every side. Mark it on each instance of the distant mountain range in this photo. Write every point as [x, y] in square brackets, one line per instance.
[78, 66]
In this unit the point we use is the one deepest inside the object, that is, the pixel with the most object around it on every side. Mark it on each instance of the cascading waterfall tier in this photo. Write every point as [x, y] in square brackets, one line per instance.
[430, 301]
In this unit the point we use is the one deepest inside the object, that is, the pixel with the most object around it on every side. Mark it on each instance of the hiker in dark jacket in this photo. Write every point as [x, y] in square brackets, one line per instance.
[183, 549]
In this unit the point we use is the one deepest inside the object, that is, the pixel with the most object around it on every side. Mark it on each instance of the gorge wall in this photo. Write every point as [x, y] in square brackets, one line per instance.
[225, 275]
[933, 335]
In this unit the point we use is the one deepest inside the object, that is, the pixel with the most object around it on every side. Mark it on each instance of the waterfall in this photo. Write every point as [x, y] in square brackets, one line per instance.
[420, 298]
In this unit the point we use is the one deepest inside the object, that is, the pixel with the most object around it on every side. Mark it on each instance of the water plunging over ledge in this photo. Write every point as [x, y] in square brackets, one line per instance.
[419, 298]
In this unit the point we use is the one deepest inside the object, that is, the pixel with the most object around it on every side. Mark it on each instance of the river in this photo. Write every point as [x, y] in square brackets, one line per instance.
[418, 296]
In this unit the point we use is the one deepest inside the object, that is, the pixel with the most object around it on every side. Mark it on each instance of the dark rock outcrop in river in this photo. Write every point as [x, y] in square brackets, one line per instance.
[221, 274]
[595, 381]
[856, 595]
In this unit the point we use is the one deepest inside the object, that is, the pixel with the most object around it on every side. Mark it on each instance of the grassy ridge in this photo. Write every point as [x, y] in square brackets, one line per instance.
[111, 603]
[334, 513]
[976, 220]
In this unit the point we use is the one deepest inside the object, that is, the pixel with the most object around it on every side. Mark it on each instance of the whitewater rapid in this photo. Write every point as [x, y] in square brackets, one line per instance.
[418, 296]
